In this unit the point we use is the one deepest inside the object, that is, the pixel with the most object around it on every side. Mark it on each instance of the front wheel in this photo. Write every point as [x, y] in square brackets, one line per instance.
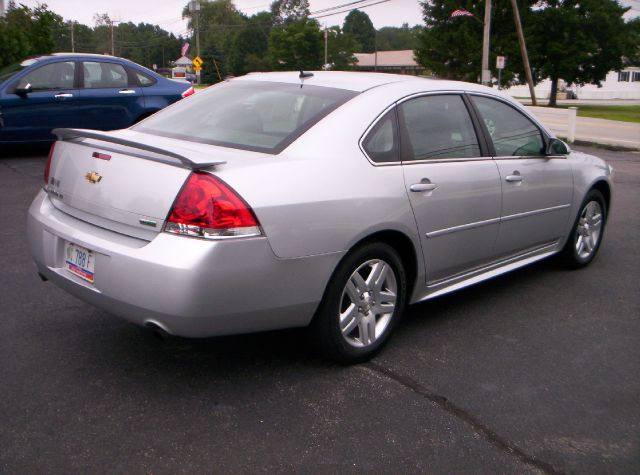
[586, 235]
[362, 304]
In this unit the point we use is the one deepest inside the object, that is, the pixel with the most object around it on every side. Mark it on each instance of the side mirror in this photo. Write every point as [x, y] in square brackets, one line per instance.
[23, 89]
[557, 147]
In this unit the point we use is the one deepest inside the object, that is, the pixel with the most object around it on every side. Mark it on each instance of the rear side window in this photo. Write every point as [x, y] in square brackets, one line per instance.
[249, 115]
[438, 127]
[101, 75]
[143, 79]
[51, 76]
[512, 133]
[381, 143]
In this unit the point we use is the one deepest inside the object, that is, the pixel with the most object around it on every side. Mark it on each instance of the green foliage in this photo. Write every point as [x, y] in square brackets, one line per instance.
[26, 32]
[391, 38]
[297, 45]
[340, 47]
[358, 24]
[576, 40]
[288, 11]
[250, 45]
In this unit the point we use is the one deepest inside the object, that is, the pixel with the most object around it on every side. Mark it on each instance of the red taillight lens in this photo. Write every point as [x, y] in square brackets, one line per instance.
[188, 92]
[47, 168]
[207, 207]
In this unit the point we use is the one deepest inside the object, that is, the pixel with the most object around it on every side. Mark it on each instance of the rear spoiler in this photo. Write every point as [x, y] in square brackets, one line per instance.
[185, 162]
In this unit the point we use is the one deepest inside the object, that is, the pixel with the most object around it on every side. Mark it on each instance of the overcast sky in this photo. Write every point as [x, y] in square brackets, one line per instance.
[167, 13]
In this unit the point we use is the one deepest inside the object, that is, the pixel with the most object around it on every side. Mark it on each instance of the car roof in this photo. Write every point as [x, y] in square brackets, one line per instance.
[362, 81]
[76, 55]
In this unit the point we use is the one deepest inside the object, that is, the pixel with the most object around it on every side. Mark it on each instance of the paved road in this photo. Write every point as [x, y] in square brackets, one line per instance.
[588, 129]
[534, 372]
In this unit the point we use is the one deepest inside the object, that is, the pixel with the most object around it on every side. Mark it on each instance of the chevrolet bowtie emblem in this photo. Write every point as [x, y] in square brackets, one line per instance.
[93, 177]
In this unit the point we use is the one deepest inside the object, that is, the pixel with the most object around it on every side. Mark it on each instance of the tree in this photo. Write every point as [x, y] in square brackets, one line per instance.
[578, 41]
[391, 38]
[341, 47]
[287, 11]
[297, 45]
[27, 32]
[359, 25]
[249, 50]
[219, 22]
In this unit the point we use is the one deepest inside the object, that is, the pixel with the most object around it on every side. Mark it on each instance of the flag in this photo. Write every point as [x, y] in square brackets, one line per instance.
[185, 48]
[461, 12]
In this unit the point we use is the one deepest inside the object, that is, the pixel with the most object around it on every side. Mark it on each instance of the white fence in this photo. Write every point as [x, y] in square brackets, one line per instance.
[561, 122]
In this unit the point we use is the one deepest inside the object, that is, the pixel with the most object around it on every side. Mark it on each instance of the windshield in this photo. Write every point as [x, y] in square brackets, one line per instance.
[8, 71]
[249, 115]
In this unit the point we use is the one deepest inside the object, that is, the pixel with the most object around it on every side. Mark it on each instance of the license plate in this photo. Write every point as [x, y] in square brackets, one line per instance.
[79, 261]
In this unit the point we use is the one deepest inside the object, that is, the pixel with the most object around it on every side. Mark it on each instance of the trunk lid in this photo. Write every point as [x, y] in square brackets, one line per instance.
[124, 181]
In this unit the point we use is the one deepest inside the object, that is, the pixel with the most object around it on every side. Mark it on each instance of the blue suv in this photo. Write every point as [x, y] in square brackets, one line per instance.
[86, 91]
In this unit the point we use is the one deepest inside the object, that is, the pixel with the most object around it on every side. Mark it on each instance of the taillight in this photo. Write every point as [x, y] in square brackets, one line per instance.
[188, 92]
[47, 168]
[207, 207]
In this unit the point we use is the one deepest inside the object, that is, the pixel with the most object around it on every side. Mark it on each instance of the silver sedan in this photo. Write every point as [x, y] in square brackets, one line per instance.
[326, 200]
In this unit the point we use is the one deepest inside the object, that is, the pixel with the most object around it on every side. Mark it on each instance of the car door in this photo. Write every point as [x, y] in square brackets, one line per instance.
[452, 184]
[109, 97]
[537, 189]
[51, 103]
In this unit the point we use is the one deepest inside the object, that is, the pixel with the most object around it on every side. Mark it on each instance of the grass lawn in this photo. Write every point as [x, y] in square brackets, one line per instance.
[623, 113]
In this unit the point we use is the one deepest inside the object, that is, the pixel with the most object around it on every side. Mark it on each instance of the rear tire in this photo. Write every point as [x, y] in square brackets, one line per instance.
[362, 304]
[585, 238]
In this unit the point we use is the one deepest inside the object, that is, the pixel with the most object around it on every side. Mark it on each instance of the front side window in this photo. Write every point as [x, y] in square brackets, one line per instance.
[249, 115]
[512, 133]
[438, 127]
[101, 75]
[51, 76]
[381, 143]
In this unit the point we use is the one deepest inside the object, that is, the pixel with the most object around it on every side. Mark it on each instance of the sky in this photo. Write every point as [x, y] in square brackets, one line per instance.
[167, 13]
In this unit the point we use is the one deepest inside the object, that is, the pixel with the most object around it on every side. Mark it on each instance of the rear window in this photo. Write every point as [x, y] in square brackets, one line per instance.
[249, 115]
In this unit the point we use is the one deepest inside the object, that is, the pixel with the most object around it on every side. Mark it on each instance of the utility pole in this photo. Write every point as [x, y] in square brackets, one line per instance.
[73, 45]
[326, 39]
[112, 46]
[486, 73]
[1, 8]
[194, 8]
[523, 50]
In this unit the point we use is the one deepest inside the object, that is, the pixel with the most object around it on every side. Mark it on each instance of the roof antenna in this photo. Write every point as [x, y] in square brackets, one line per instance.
[304, 76]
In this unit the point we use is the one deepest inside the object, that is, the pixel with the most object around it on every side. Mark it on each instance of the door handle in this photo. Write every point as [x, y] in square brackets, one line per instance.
[63, 95]
[515, 178]
[127, 91]
[419, 187]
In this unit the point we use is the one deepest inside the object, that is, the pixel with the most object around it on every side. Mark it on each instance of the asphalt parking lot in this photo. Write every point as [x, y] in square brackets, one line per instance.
[537, 371]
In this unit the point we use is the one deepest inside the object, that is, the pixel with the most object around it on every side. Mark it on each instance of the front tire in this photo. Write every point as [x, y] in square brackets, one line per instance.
[362, 304]
[583, 243]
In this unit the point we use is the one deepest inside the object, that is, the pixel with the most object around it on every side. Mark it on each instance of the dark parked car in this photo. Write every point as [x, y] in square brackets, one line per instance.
[86, 91]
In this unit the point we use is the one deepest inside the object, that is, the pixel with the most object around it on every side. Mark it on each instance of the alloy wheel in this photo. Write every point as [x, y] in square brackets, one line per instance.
[368, 303]
[588, 230]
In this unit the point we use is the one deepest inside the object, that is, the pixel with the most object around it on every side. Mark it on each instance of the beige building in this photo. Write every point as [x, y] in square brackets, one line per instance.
[401, 62]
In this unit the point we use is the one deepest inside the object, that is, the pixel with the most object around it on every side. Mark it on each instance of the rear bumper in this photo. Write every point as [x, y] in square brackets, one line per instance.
[189, 287]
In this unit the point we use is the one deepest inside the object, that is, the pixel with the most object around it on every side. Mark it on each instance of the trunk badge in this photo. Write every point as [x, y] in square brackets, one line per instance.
[93, 177]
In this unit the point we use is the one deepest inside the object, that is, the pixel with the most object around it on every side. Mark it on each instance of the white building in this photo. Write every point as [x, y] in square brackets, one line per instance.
[617, 85]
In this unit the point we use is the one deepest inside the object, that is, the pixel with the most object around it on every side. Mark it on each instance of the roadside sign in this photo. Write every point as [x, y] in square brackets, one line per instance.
[500, 60]
[197, 68]
[197, 62]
